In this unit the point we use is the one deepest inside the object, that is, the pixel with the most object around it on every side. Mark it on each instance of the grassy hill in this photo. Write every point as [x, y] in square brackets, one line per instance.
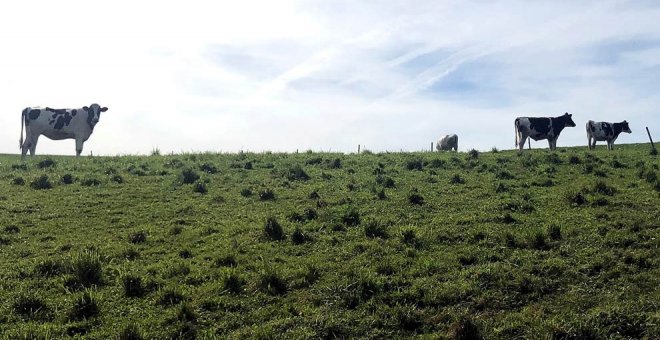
[318, 245]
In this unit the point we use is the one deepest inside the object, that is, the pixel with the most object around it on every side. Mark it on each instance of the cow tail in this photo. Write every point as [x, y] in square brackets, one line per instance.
[20, 141]
[515, 128]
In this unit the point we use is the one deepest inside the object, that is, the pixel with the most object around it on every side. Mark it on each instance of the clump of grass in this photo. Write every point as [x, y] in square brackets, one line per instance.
[334, 164]
[494, 150]
[117, 178]
[185, 254]
[385, 181]
[11, 229]
[465, 329]
[501, 187]
[456, 179]
[576, 198]
[296, 173]
[273, 230]
[226, 261]
[232, 282]
[130, 254]
[503, 174]
[314, 195]
[473, 154]
[67, 179]
[573, 159]
[18, 181]
[84, 306]
[507, 218]
[246, 192]
[170, 297]
[537, 240]
[380, 194]
[415, 164]
[21, 166]
[375, 229]
[415, 198]
[89, 182]
[30, 306]
[310, 214]
[132, 285]
[553, 158]
[554, 232]
[188, 176]
[298, 237]
[351, 217]
[131, 332]
[266, 195]
[272, 283]
[409, 237]
[438, 163]
[87, 269]
[200, 187]
[179, 269]
[138, 237]
[209, 168]
[46, 163]
[49, 267]
[41, 183]
[602, 188]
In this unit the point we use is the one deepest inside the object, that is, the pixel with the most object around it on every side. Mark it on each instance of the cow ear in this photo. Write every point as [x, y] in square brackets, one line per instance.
[85, 108]
[104, 109]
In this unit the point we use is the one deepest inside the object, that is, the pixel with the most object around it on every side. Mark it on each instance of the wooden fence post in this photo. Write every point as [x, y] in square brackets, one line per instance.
[649, 133]
[358, 149]
[431, 146]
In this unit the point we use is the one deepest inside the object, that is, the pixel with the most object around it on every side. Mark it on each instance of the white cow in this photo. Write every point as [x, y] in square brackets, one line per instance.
[447, 143]
[604, 131]
[58, 124]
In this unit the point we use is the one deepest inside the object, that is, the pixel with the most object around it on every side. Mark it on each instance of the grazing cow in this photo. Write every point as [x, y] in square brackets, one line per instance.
[448, 143]
[539, 128]
[58, 124]
[604, 131]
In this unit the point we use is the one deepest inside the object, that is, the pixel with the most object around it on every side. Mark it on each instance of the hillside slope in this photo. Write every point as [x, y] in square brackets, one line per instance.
[538, 245]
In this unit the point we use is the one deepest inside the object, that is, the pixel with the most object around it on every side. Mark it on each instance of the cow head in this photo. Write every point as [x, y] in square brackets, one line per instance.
[94, 113]
[568, 121]
[625, 127]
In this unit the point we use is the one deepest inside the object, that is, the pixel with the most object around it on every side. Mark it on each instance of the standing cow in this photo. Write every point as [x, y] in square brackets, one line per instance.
[539, 128]
[604, 131]
[447, 143]
[58, 124]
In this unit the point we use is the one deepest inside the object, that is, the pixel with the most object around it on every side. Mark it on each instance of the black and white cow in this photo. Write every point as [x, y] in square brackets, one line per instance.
[604, 131]
[538, 128]
[58, 124]
[447, 143]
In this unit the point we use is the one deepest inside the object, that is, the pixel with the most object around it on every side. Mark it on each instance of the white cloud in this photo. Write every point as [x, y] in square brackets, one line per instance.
[287, 75]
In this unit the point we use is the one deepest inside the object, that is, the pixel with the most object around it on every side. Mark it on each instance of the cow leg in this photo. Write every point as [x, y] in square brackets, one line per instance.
[550, 144]
[26, 146]
[33, 144]
[79, 146]
[589, 142]
[521, 142]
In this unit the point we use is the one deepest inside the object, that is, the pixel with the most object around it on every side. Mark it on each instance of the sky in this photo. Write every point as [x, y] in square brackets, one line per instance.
[287, 75]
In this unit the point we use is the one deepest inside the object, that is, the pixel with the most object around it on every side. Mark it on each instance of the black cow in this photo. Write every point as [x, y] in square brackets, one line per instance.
[539, 128]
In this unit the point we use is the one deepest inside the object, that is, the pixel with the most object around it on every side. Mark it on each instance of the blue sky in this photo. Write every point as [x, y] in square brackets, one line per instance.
[327, 75]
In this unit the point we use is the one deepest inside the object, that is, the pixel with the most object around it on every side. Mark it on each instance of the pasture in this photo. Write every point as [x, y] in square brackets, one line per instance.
[559, 245]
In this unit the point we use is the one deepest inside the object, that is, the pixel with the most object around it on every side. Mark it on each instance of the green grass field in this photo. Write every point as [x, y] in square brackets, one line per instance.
[561, 245]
